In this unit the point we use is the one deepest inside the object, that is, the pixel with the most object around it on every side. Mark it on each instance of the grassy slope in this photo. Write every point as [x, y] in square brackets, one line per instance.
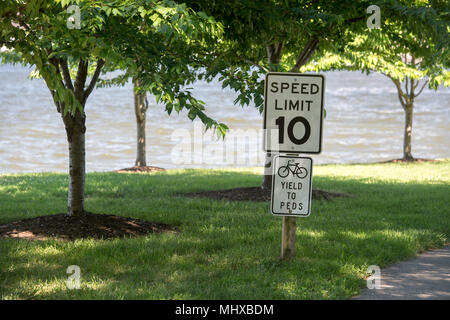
[226, 250]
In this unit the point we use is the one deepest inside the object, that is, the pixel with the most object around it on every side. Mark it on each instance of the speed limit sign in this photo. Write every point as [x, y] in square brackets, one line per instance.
[293, 112]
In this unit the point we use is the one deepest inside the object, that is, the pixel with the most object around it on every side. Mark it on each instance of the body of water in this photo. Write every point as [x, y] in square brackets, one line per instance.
[364, 123]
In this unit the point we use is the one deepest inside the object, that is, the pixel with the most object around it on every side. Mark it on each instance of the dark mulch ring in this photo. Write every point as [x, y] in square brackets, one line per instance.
[401, 160]
[91, 225]
[140, 169]
[256, 194]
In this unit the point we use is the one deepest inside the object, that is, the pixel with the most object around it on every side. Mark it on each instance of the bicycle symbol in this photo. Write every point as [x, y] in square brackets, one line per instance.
[300, 172]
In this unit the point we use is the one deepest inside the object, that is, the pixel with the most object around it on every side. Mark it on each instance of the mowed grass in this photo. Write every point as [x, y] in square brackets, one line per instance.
[225, 250]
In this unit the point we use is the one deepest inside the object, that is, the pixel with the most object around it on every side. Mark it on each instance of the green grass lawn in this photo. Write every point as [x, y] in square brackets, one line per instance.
[225, 250]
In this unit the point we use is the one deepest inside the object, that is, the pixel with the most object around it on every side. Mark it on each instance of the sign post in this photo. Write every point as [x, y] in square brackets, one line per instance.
[291, 196]
[293, 120]
[288, 238]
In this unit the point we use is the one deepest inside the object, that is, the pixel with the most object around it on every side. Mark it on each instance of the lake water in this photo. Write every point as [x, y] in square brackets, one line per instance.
[364, 123]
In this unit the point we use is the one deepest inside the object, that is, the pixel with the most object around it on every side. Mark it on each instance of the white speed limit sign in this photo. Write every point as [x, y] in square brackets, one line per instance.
[293, 112]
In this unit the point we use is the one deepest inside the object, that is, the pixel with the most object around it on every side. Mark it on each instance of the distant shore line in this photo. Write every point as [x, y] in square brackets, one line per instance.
[160, 169]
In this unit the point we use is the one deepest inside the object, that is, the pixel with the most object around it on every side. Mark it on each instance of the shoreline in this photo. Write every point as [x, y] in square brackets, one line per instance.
[392, 161]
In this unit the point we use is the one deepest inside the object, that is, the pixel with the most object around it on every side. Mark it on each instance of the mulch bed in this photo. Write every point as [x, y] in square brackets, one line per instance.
[140, 169]
[257, 194]
[91, 225]
[401, 160]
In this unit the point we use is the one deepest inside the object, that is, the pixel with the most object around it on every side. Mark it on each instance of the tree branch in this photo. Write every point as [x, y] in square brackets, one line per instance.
[57, 104]
[20, 23]
[401, 94]
[53, 61]
[306, 53]
[98, 69]
[279, 50]
[145, 103]
[411, 91]
[274, 53]
[423, 87]
[66, 74]
[406, 86]
[253, 63]
[351, 20]
[80, 80]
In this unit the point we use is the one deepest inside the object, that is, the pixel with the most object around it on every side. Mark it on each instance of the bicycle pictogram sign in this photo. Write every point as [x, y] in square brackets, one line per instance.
[291, 186]
[294, 168]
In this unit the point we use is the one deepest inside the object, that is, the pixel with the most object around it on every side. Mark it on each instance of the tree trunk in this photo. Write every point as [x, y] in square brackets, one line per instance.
[140, 109]
[408, 133]
[76, 129]
[267, 180]
[75, 124]
[273, 56]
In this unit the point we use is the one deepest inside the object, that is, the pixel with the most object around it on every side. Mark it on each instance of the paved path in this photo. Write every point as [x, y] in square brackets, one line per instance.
[424, 277]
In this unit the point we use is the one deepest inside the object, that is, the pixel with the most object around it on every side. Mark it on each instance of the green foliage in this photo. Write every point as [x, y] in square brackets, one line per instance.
[166, 62]
[252, 28]
[118, 33]
[389, 50]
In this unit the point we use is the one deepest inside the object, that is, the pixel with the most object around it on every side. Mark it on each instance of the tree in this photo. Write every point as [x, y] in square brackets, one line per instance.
[70, 60]
[412, 59]
[411, 91]
[140, 111]
[271, 35]
[177, 67]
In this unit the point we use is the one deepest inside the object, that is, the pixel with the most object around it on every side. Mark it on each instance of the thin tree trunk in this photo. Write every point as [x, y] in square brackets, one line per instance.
[76, 129]
[140, 152]
[274, 52]
[407, 155]
[75, 125]
[140, 109]
[267, 180]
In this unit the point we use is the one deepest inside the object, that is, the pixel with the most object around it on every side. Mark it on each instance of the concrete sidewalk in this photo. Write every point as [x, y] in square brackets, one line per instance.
[424, 277]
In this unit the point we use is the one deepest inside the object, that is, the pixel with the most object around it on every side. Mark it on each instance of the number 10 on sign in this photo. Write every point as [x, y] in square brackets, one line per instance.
[293, 112]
